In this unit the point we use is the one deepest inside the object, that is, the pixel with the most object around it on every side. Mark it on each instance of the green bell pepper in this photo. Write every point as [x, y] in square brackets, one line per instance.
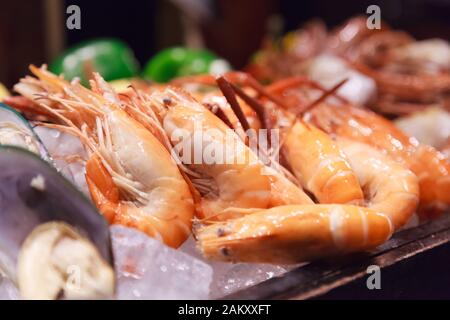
[112, 58]
[176, 62]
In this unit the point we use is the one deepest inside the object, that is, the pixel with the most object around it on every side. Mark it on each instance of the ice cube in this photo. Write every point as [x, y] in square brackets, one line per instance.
[67, 152]
[329, 70]
[230, 278]
[148, 269]
[8, 291]
[190, 247]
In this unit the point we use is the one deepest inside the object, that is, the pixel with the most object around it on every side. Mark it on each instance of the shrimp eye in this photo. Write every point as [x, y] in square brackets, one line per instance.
[225, 251]
[221, 232]
[167, 101]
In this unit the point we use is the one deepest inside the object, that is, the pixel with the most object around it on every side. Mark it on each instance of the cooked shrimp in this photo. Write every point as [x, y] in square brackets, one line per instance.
[289, 234]
[430, 166]
[131, 176]
[296, 233]
[225, 171]
[239, 183]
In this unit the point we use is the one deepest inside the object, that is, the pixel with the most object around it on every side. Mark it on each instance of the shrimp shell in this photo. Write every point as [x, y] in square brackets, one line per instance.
[321, 166]
[431, 167]
[296, 233]
[389, 187]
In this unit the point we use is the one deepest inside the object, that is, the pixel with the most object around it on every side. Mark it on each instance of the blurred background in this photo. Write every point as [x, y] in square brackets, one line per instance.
[35, 31]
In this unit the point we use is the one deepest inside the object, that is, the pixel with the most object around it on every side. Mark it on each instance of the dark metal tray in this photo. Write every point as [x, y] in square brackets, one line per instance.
[414, 264]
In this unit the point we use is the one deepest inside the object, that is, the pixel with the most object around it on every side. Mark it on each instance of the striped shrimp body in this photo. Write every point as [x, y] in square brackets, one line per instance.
[389, 187]
[131, 176]
[295, 233]
[430, 166]
[320, 165]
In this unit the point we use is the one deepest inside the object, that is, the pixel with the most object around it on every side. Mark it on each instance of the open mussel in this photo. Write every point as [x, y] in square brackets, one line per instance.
[53, 242]
[52, 145]
[16, 131]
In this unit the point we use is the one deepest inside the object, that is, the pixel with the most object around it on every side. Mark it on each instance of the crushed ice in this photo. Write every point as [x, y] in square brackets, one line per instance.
[148, 269]
[62, 146]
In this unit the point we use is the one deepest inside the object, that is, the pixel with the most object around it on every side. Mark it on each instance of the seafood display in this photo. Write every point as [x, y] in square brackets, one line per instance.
[118, 187]
[388, 70]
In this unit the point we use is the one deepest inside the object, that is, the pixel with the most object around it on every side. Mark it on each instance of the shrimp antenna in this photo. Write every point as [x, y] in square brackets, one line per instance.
[253, 103]
[291, 82]
[259, 109]
[254, 84]
[229, 91]
[325, 95]
[214, 108]
[230, 95]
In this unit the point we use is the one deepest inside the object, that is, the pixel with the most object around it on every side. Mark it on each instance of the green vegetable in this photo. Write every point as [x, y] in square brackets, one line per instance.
[178, 61]
[112, 58]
